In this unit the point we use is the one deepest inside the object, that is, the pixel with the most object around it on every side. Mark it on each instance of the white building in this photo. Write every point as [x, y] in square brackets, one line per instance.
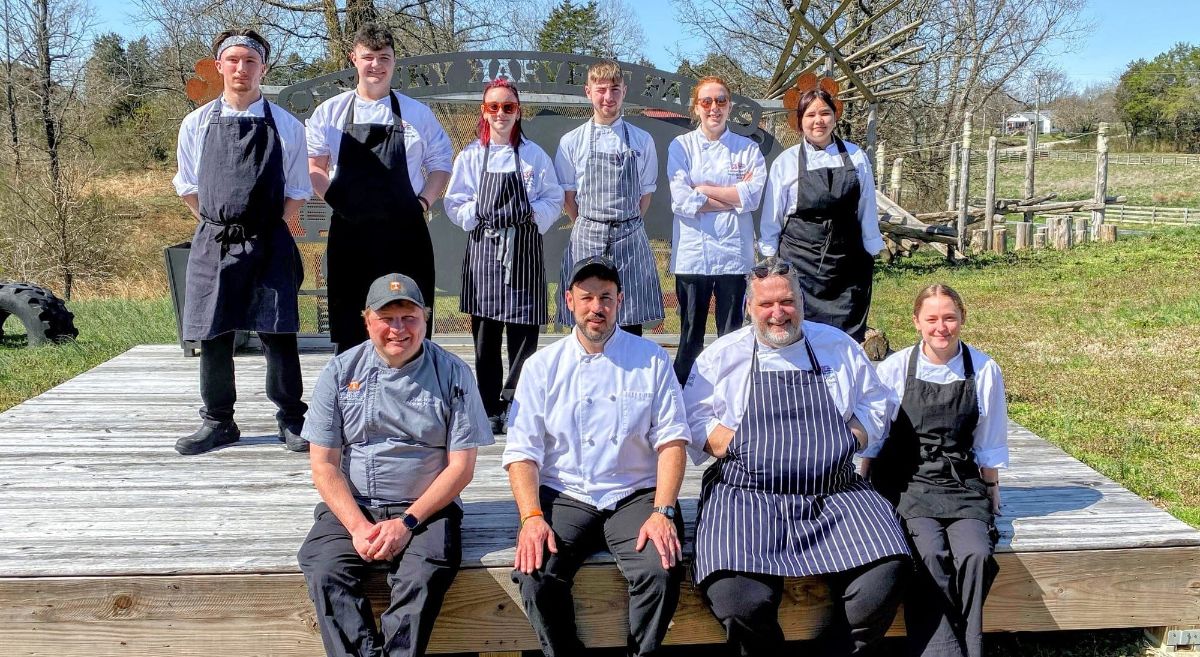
[1018, 123]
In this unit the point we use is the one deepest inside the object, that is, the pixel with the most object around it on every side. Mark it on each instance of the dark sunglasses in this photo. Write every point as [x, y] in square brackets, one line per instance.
[706, 102]
[496, 108]
[763, 271]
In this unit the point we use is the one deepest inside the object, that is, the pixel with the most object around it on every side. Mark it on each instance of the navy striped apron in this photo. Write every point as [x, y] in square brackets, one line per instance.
[786, 500]
[610, 223]
[503, 276]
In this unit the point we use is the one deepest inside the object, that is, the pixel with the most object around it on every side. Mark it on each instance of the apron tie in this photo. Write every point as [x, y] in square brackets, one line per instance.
[230, 234]
[505, 249]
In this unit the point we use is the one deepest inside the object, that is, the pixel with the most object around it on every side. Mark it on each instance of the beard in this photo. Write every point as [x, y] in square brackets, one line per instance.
[594, 335]
[778, 335]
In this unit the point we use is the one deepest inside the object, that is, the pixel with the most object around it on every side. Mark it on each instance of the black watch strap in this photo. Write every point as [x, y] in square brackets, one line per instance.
[410, 521]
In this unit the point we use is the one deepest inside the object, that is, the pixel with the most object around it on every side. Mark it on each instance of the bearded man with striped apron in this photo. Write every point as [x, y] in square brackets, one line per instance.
[783, 405]
[608, 170]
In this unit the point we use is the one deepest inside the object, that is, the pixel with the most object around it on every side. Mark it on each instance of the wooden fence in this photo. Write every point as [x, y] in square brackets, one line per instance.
[1090, 156]
[1153, 215]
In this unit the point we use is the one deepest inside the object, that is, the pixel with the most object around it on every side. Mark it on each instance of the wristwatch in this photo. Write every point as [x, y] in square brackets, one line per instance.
[668, 511]
[410, 521]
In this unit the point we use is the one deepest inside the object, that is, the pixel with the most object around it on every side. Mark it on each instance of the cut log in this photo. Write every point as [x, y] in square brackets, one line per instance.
[1108, 233]
[1024, 235]
[999, 240]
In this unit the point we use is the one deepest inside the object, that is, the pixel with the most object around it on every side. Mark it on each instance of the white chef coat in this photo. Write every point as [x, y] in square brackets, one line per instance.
[537, 172]
[991, 434]
[713, 243]
[719, 387]
[593, 423]
[427, 148]
[571, 159]
[194, 129]
[779, 200]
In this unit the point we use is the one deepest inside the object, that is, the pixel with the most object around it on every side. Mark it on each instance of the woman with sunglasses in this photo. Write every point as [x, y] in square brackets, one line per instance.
[819, 214]
[503, 192]
[940, 467]
[717, 178]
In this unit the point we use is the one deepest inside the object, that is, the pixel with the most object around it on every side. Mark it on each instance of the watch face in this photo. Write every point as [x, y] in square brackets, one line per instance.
[410, 521]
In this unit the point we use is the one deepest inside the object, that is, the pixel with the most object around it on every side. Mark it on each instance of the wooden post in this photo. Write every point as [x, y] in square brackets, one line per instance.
[978, 241]
[1082, 234]
[873, 132]
[1024, 235]
[897, 167]
[1061, 232]
[1030, 155]
[952, 192]
[880, 161]
[989, 196]
[964, 185]
[1039, 238]
[1101, 191]
[1108, 232]
[1000, 240]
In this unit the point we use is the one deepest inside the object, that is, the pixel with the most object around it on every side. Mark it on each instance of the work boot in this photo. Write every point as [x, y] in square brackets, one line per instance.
[291, 439]
[497, 423]
[210, 436]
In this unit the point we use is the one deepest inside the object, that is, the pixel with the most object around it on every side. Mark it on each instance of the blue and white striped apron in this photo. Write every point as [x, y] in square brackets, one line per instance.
[786, 500]
[610, 223]
[503, 276]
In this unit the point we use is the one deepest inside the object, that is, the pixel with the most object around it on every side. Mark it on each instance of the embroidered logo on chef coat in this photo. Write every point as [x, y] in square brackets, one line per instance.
[527, 176]
[353, 386]
[828, 375]
[737, 169]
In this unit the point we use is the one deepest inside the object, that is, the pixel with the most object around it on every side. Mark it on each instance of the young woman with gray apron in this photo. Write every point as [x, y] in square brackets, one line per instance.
[822, 238]
[927, 469]
[504, 282]
[786, 501]
[243, 274]
[378, 225]
[610, 223]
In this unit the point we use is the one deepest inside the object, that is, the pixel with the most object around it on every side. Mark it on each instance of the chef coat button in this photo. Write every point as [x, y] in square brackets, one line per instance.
[587, 400]
[612, 398]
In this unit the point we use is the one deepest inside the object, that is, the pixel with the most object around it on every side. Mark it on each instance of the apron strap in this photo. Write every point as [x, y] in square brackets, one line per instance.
[968, 364]
[911, 372]
[812, 356]
[844, 153]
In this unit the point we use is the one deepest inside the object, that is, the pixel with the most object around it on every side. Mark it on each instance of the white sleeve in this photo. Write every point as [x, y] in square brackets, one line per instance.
[564, 163]
[891, 373]
[315, 132]
[545, 194]
[526, 437]
[870, 399]
[750, 192]
[699, 398]
[868, 213]
[670, 422]
[297, 184]
[991, 433]
[685, 200]
[463, 187]
[649, 173]
[774, 207]
[439, 152]
[187, 155]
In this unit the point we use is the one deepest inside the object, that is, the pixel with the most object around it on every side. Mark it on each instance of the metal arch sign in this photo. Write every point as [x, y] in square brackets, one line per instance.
[450, 77]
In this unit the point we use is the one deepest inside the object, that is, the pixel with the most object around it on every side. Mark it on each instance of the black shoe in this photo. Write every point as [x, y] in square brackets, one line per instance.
[209, 437]
[497, 422]
[291, 439]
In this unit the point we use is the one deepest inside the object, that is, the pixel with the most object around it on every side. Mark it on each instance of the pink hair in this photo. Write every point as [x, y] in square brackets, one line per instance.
[483, 129]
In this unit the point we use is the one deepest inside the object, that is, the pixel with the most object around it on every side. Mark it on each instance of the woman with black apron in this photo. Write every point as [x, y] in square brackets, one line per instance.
[939, 466]
[819, 214]
[504, 193]
[378, 191]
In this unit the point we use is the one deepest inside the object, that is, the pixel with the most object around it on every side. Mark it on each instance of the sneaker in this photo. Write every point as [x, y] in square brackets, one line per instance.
[291, 439]
[209, 437]
[497, 422]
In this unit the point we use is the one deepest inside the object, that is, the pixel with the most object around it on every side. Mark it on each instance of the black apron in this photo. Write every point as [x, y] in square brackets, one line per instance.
[504, 277]
[786, 499]
[244, 270]
[927, 467]
[822, 238]
[378, 225]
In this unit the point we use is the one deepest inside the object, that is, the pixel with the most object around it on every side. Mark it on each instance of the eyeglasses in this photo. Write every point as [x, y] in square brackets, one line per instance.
[496, 108]
[706, 102]
[778, 269]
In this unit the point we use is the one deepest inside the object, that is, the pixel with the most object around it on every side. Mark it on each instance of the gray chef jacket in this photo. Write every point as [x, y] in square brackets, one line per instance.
[395, 425]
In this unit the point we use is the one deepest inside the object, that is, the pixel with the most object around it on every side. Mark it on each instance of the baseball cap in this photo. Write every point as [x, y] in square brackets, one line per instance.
[600, 266]
[393, 287]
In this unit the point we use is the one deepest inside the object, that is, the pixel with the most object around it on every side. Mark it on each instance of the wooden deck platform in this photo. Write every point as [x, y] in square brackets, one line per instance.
[113, 544]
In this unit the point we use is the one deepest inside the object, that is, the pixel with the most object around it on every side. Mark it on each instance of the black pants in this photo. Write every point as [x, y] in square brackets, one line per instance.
[580, 530]
[489, 371]
[418, 579]
[747, 605]
[943, 614]
[693, 292]
[284, 384]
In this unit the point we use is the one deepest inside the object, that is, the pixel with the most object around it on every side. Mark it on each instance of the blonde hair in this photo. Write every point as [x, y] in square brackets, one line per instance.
[936, 290]
[708, 79]
[606, 71]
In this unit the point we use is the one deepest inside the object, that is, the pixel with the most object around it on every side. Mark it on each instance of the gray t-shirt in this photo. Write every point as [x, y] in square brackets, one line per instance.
[395, 426]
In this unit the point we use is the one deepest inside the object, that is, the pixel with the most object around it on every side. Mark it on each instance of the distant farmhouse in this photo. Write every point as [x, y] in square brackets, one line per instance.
[1019, 123]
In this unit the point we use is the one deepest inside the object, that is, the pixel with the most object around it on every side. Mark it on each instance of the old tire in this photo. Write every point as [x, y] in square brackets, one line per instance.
[45, 316]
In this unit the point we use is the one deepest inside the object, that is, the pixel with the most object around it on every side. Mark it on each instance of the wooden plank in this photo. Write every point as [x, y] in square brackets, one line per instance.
[482, 612]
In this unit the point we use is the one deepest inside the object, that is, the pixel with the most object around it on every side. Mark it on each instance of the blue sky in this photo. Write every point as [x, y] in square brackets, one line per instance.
[1123, 32]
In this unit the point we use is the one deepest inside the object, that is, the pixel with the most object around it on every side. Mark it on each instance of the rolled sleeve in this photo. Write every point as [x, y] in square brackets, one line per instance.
[774, 206]
[314, 133]
[699, 398]
[468, 426]
[564, 165]
[670, 422]
[685, 200]
[525, 439]
[545, 194]
[868, 211]
[439, 152]
[991, 433]
[750, 191]
[461, 191]
[323, 421]
[187, 154]
[649, 173]
[871, 400]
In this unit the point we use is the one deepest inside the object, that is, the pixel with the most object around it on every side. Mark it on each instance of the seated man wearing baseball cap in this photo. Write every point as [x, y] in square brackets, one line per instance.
[595, 457]
[394, 425]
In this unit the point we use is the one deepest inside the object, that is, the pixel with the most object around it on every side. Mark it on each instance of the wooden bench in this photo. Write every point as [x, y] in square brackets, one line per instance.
[111, 544]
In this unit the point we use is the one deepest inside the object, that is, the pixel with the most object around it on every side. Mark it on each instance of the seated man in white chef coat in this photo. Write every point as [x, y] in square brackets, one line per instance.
[784, 404]
[595, 456]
